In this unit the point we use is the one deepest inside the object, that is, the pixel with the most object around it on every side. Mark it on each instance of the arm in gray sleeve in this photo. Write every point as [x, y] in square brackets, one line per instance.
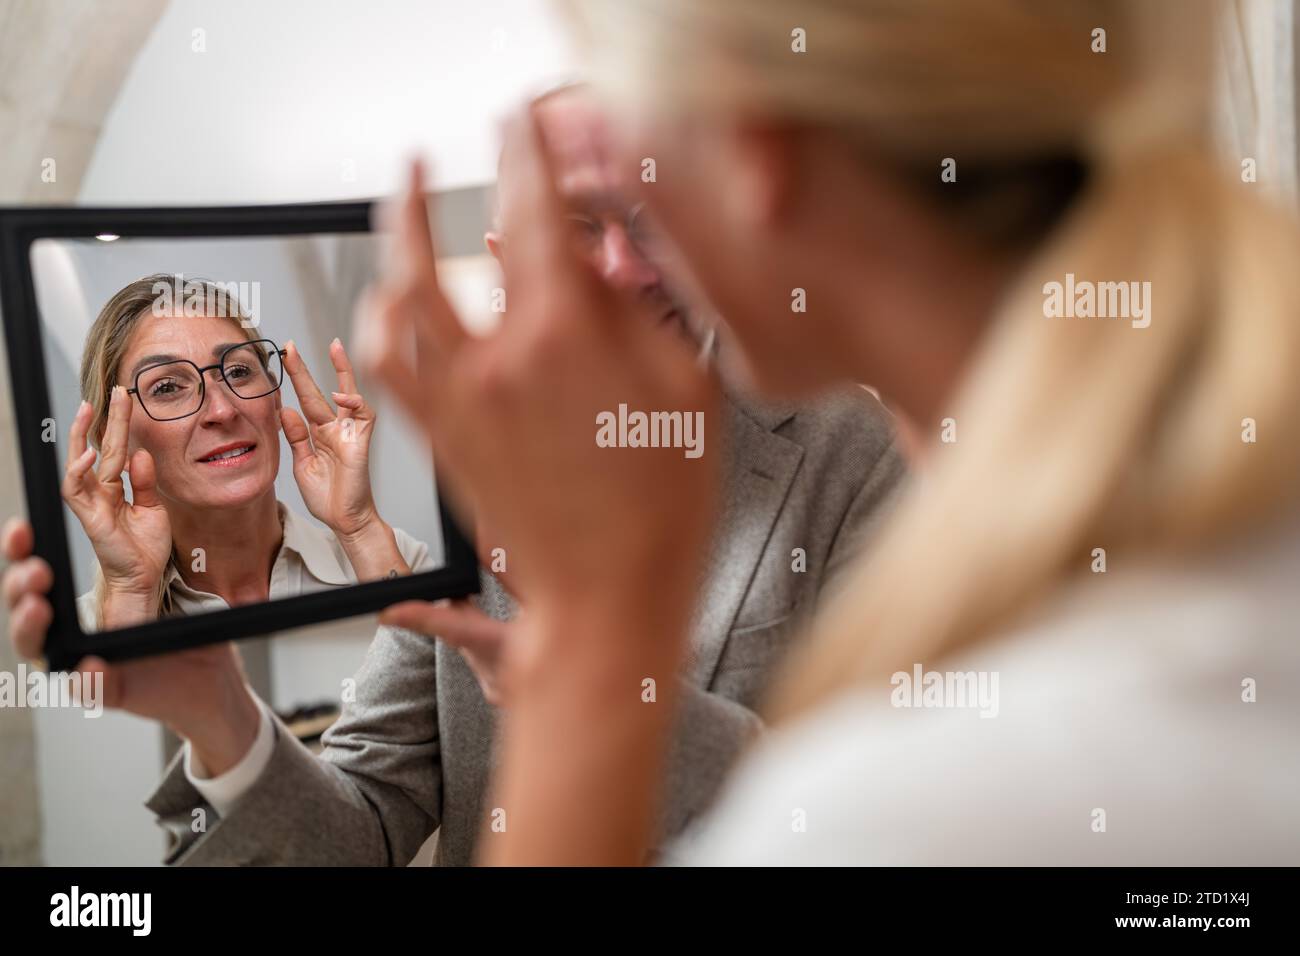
[371, 798]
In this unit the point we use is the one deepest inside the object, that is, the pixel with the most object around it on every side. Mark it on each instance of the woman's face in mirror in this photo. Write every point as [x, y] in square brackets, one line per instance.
[228, 452]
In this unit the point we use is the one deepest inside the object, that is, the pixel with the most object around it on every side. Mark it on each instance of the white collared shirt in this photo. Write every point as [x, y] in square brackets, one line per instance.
[310, 559]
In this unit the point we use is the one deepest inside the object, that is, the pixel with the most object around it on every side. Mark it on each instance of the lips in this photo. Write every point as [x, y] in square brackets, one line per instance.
[229, 455]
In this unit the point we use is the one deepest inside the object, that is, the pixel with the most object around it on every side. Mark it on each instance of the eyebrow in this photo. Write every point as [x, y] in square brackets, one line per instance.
[159, 359]
[152, 360]
[596, 202]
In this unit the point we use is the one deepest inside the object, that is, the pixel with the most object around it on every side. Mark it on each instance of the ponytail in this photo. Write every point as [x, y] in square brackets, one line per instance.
[1075, 433]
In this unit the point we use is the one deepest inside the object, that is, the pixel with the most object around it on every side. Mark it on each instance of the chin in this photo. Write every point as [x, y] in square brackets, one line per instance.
[233, 494]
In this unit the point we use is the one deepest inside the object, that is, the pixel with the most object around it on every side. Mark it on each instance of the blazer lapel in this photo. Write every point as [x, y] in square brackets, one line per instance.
[759, 469]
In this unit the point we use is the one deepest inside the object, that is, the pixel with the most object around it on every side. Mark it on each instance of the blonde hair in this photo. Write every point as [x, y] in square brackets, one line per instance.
[106, 345]
[110, 333]
[1074, 433]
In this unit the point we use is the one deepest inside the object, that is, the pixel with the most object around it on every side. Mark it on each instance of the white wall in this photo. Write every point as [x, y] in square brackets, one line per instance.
[292, 97]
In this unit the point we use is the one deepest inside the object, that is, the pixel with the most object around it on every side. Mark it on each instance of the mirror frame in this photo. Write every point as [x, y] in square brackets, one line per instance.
[66, 642]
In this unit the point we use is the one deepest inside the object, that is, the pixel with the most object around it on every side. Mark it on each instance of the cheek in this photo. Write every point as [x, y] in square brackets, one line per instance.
[164, 445]
[266, 419]
[722, 260]
[684, 211]
[715, 263]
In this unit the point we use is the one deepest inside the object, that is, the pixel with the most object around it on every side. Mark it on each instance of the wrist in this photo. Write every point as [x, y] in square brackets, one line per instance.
[373, 550]
[127, 606]
[361, 530]
[593, 642]
[223, 739]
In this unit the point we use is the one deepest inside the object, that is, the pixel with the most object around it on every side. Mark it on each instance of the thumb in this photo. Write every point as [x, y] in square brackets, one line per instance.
[144, 480]
[296, 433]
[458, 623]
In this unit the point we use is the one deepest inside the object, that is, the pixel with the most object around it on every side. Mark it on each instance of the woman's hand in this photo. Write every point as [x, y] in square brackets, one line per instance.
[201, 693]
[331, 463]
[513, 417]
[132, 540]
[606, 543]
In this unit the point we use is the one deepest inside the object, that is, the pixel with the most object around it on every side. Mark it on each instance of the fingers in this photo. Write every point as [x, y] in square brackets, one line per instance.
[25, 587]
[77, 434]
[458, 623]
[79, 480]
[312, 400]
[29, 576]
[415, 253]
[544, 253]
[17, 539]
[29, 622]
[350, 402]
[113, 447]
[409, 331]
[144, 481]
[417, 261]
[386, 347]
[406, 314]
[343, 366]
[355, 405]
[413, 615]
[81, 456]
[297, 434]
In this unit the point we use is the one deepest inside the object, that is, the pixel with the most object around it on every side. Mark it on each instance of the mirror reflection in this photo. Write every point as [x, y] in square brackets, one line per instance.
[217, 445]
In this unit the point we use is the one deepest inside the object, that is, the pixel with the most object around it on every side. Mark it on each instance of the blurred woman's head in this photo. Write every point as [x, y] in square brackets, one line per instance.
[804, 146]
[225, 454]
[934, 140]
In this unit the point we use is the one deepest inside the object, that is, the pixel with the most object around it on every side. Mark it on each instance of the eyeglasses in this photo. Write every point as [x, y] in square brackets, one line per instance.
[640, 230]
[173, 390]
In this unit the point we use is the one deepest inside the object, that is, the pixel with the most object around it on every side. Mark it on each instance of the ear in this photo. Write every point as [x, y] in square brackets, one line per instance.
[496, 244]
[760, 189]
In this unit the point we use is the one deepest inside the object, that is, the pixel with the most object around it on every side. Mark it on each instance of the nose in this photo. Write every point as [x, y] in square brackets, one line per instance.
[623, 265]
[218, 403]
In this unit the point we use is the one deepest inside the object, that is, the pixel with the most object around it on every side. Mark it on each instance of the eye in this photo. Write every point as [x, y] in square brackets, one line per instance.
[640, 229]
[237, 373]
[584, 229]
[165, 386]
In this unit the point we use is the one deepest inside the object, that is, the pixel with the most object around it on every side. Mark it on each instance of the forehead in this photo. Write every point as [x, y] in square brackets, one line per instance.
[578, 137]
[191, 337]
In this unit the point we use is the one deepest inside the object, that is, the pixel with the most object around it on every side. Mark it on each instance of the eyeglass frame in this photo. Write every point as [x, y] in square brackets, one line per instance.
[633, 215]
[219, 365]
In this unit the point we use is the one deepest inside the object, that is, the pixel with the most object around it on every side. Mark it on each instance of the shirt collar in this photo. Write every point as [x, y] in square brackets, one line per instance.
[318, 549]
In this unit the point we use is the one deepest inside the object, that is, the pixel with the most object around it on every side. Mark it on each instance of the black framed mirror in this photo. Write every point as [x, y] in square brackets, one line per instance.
[258, 447]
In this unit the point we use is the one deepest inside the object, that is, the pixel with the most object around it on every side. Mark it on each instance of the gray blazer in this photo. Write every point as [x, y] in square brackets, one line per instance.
[414, 752]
